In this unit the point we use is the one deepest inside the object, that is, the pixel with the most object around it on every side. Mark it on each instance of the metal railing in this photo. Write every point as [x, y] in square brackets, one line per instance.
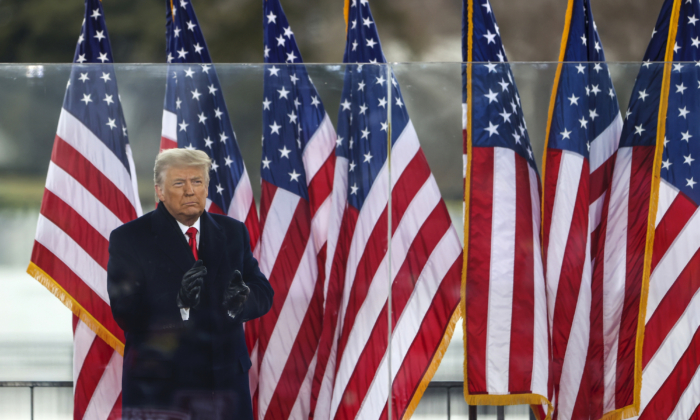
[31, 385]
[450, 385]
[446, 385]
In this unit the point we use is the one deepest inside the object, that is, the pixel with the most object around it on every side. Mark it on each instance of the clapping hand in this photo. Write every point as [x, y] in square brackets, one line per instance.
[236, 294]
[191, 286]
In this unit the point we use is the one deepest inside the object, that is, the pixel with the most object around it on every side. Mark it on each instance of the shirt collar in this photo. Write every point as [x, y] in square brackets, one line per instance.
[184, 228]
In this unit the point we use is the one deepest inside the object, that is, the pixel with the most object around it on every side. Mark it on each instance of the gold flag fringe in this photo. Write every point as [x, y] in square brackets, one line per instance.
[434, 364]
[72, 304]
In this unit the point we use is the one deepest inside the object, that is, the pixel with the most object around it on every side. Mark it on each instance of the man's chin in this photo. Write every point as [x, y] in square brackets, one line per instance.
[192, 211]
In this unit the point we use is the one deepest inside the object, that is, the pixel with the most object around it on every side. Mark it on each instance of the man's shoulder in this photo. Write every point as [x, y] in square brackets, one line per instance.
[226, 222]
[140, 225]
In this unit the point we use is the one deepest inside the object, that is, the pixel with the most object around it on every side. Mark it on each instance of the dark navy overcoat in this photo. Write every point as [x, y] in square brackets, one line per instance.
[196, 368]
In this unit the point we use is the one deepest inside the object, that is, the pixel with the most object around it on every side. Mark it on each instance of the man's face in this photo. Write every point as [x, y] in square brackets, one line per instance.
[184, 193]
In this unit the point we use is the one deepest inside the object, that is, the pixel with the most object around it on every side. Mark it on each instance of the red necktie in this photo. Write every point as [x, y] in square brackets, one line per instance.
[192, 234]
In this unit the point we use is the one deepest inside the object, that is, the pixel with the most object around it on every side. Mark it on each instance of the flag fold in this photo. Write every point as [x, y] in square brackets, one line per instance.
[297, 167]
[658, 205]
[583, 134]
[90, 190]
[394, 257]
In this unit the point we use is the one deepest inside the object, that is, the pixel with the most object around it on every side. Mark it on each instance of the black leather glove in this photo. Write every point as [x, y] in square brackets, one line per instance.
[236, 294]
[191, 286]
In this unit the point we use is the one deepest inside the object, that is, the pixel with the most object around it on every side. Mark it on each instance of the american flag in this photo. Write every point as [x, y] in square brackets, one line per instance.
[90, 190]
[505, 312]
[195, 117]
[582, 138]
[661, 159]
[396, 255]
[297, 167]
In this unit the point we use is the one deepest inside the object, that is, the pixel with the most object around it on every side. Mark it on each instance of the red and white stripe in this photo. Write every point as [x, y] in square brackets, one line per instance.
[425, 267]
[88, 193]
[168, 134]
[324, 375]
[97, 375]
[616, 280]
[671, 352]
[292, 256]
[507, 337]
[574, 200]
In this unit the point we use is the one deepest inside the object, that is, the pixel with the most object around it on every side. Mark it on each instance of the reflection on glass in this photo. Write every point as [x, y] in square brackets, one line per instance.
[37, 346]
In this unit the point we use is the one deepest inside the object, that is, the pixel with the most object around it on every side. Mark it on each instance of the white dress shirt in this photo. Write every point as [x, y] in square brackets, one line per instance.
[185, 312]
[184, 228]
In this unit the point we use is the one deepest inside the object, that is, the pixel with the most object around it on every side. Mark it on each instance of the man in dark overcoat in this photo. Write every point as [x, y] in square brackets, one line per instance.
[181, 283]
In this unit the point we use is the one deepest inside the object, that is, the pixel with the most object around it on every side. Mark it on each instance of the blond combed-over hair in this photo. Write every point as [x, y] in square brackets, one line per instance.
[180, 158]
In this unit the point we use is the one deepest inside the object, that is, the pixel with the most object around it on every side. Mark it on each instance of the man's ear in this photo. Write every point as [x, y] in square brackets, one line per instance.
[159, 193]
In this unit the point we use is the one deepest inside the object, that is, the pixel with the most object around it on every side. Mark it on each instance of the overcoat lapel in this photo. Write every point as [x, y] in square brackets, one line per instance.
[170, 240]
[211, 244]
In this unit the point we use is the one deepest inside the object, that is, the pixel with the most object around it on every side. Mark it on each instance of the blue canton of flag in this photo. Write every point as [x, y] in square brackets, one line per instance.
[92, 95]
[497, 119]
[642, 120]
[195, 113]
[682, 142]
[292, 109]
[362, 119]
[586, 102]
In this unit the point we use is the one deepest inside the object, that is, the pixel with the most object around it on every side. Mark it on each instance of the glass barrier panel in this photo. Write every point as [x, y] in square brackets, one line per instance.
[375, 293]
[39, 346]
[432, 95]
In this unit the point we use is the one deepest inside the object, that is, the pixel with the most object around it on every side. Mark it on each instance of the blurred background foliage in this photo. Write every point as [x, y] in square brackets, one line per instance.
[411, 30]
[46, 31]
